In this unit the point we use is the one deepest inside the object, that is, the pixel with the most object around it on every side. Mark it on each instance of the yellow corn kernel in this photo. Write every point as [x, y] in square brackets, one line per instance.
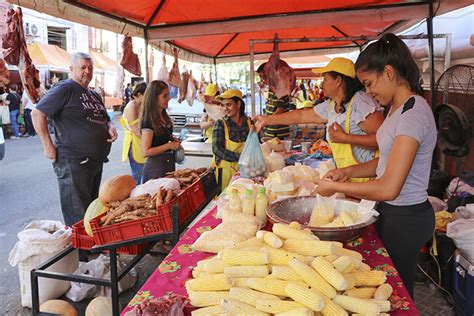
[357, 305]
[200, 264]
[251, 243]
[233, 307]
[245, 257]
[280, 256]
[207, 298]
[344, 264]
[240, 282]
[286, 232]
[363, 267]
[209, 311]
[214, 266]
[347, 252]
[246, 271]
[295, 225]
[369, 278]
[329, 273]
[384, 305]
[216, 282]
[351, 281]
[305, 296]
[310, 247]
[274, 307]
[362, 292]
[200, 274]
[249, 296]
[285, 273]
[332, 309]
[272, 240]
[312, 278]
[346, 218]
[276, 287]
[302, 311]
[383, 292]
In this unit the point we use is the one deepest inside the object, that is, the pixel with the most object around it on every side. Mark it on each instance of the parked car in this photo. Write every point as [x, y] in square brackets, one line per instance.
[186, 119]
[2, 144]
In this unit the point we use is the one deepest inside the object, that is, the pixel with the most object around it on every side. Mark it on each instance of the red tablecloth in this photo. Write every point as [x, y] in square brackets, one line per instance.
[176, 268]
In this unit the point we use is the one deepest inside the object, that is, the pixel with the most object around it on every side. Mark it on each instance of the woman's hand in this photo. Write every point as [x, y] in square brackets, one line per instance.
[174, 145]
[260, 122]
[337, 134]
[326, 188]
[337, 175]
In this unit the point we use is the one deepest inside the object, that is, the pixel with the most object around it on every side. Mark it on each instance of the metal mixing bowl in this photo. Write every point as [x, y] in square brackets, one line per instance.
[299, 209]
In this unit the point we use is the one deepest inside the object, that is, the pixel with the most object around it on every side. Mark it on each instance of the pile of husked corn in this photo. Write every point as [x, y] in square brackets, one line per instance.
[287, 272]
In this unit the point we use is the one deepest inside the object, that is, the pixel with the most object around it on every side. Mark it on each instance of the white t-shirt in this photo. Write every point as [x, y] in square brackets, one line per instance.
[362, 106]
[27, 103]
[414, 119]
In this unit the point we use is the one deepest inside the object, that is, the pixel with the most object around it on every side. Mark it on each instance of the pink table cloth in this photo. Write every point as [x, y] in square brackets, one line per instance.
[176, 268]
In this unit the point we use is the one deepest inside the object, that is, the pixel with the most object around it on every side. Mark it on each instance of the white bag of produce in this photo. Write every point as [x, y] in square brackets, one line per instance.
[275, 161]
[153, 186]
[214, 111]
[461, 231]
[39, 241]
[252, 162]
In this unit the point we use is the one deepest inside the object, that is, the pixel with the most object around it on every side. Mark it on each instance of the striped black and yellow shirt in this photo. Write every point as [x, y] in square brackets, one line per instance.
[273, 103]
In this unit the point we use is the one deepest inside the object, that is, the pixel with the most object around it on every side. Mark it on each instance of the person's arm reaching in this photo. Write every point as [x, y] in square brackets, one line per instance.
[40, 122]
[148, 151]
[304, 116]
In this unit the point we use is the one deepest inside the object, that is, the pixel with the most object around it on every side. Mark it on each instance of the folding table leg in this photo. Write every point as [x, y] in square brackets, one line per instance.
[114, 282]
[34, 292]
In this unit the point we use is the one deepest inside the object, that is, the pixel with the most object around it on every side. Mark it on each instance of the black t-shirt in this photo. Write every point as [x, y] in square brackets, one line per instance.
[161, 138]
[14, 99]
[80, 121]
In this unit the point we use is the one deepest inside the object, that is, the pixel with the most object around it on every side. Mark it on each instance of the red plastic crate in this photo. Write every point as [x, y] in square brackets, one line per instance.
[196, 195]
[81, 240]
[160, 223]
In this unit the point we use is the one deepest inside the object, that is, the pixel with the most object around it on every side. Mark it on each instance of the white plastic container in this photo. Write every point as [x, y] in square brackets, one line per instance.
[48, 288]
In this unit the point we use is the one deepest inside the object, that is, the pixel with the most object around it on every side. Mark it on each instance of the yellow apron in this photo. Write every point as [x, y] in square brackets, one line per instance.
[208, 133]
[226, 169]
[130, 139]
[342, 153]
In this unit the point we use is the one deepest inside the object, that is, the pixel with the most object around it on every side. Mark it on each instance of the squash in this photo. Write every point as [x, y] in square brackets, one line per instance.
[99, 306]
[117, 188]
[95, 209]
[59, 307]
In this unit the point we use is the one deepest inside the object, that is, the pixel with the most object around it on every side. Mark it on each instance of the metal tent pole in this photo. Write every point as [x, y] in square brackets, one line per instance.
[147, 75]
[429, 25]
[252, 77]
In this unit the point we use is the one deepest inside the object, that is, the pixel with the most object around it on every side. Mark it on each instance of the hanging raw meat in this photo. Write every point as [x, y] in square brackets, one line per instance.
[11, 39]
[119, 87]
[201, 88]
[281, 77]
[174, 77]
[163, 72]
[4, 74]
[192, 89]
[130, 60]
[183, 87]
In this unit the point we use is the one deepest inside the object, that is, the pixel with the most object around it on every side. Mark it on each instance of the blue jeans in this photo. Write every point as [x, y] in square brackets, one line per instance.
[14, 121]
[137, 168]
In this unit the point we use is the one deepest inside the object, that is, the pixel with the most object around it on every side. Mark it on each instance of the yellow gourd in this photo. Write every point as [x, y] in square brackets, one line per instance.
[58, 307]
[99, 306]
[95, 208]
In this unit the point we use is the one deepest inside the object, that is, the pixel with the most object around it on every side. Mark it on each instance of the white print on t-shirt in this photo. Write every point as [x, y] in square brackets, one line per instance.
[94, 109]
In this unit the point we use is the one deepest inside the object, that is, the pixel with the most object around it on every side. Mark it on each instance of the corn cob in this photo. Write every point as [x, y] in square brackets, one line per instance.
[302, 311]
[383, 292]
[295, 225]
[346, 218]
[285, 273]
[209, 311]
[312, 278]
[351, 281]
[196, 273]
[331, 258]
[280, 256]
[240, 282]
[329, 273]
[272, 240]
[276, 287]
[357, 305]
[369, 278]
[217, 282]
[200, 264]
[271, 276]
[331, 309]
[245, 257]
[199, 274]
[347, 252]
[233, 307]
[249, 296]
[207, 298]
[380, 314]
[286, 232]
[310, 247]
[246, 271]
[274, 307]
[344, 264]
[214, 266]
[384, 305]
[309, 259]
[363, 292]
[305, 296]
[251, 243]
[363, 267]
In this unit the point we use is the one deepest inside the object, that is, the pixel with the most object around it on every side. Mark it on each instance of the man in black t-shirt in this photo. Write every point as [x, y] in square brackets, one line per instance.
[83, 136]
[13, 102]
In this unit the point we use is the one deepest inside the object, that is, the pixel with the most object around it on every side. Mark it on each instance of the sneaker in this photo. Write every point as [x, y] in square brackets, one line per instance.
[14, 137]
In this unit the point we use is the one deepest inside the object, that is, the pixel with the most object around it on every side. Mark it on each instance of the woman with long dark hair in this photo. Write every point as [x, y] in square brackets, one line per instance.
[158, 142]
[406, 141]
[130, 122]
[352, 117]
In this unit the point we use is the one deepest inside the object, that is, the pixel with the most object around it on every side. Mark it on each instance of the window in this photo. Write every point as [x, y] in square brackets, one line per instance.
[57, 36]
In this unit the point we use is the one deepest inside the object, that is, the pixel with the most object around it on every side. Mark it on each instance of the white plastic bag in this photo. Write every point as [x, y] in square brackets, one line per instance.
[153, 186]
[252, 163]
[214, 111]
[461, 231]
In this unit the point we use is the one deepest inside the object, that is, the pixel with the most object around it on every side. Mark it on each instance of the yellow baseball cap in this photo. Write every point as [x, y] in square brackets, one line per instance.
[230, 94]
[341, 65]
[211, 90]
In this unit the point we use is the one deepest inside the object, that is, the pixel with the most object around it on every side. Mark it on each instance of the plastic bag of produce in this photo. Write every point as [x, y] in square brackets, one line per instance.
[461, 231]
[153, 186]
[252, 162]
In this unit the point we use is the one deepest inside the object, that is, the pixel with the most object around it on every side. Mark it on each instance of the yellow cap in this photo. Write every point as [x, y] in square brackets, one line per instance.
[230, 94]
[340, 65]
[211, 90]
[304, 104]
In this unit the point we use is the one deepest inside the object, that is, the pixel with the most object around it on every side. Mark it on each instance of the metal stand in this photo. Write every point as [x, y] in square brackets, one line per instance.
[115, 275]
